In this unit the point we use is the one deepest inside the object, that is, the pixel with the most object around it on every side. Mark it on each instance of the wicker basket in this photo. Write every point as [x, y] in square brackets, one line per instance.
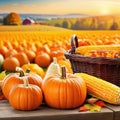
[105, 68]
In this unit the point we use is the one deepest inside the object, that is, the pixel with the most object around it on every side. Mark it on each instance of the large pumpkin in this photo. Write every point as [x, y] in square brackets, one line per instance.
[17, 78]
[64, 92]
[25, 96]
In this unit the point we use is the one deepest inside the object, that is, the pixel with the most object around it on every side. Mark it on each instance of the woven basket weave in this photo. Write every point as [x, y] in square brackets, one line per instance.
[105, 68]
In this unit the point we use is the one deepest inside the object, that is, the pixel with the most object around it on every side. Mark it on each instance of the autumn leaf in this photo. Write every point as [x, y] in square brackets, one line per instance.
[100, 103]
[83, 109]
[93, 107]
[89, 107]
[2, 75]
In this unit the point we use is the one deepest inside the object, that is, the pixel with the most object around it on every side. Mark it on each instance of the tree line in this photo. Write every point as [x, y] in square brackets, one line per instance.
[90, 23]
[87, 23]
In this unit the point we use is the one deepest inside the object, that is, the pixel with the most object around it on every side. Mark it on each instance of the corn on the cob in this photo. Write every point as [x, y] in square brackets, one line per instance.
[101, 89]
[84, 49]
[103, 53]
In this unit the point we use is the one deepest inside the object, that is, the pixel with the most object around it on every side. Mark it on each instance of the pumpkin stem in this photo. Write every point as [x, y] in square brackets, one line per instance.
[55, 60]
[26, 83]
[27, 70]
[20, 70]
[63, 72]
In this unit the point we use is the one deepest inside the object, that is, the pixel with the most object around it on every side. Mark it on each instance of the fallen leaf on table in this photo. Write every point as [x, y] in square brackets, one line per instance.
[97, 106]
[93, 107]
[83, 109]
[89, 107]
[100, 103]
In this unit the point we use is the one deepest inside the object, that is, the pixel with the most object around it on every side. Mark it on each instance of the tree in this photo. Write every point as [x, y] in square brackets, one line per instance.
[66, 24]
[57, 25]
[114, 26]
[12, 19]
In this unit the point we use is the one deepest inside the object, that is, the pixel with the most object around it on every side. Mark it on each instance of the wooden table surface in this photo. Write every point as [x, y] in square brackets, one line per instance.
[46, 113]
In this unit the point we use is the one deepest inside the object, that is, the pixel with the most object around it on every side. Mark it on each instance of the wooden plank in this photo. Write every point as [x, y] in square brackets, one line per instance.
[116, 111]
[46, 113]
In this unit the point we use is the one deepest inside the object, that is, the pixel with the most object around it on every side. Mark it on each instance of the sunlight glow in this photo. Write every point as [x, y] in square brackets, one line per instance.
[105, 11]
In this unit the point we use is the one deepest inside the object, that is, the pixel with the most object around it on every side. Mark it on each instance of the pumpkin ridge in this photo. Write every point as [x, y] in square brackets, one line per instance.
[70, 90]
[18, 99]
[73, 90]
[77, 90]
[83, 87]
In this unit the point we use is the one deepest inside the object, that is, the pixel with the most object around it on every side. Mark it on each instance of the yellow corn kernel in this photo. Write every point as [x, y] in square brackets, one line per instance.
[101, 89]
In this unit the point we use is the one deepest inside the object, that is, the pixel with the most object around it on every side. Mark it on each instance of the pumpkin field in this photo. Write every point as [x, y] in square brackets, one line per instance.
[36, 55]
[52, 41]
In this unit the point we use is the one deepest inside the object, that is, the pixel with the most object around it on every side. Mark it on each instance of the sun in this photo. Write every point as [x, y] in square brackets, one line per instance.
[105, 11]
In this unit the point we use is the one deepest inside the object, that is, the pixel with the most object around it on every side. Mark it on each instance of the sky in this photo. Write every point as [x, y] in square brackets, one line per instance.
[94, 7]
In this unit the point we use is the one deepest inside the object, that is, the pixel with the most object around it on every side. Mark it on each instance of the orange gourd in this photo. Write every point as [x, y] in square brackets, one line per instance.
[17, 78]
[43, 59]
[10, 63]
[30, 54]
[10, 52]
[64, 91]
[25, 96]
[22, 58]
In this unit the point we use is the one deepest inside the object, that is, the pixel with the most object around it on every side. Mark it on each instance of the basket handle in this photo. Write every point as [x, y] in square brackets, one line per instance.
[74, 43]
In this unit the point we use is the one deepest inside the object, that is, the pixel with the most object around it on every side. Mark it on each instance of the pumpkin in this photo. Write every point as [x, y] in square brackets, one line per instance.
[10, 63]
[22, 58]
[43, 59]
[25, 96]
[65, 91]
[10, 52]
[17, 78]
[3, 50]
[34, 68]
[30, 54]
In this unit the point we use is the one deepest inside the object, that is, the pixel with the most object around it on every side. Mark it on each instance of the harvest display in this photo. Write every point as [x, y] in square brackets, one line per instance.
[34, 69]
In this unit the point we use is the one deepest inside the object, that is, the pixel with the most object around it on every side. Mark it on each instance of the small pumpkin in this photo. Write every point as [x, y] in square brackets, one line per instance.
[17, 78]
[22, 58]
[43, 59]
[25, 96]
[65, 91]
[10, 52]
[30, 54]
[10, 63]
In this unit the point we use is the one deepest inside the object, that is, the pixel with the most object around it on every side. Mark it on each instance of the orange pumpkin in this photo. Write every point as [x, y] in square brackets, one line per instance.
[22, 57]
[68, 91]
[3, 50]
[25, 96]
[17, 78]
[43, 59]
[31, 55]
[10, 52]
[10, 63]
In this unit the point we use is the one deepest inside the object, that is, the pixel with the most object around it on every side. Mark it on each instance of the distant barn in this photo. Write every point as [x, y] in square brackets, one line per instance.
[28, 21]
